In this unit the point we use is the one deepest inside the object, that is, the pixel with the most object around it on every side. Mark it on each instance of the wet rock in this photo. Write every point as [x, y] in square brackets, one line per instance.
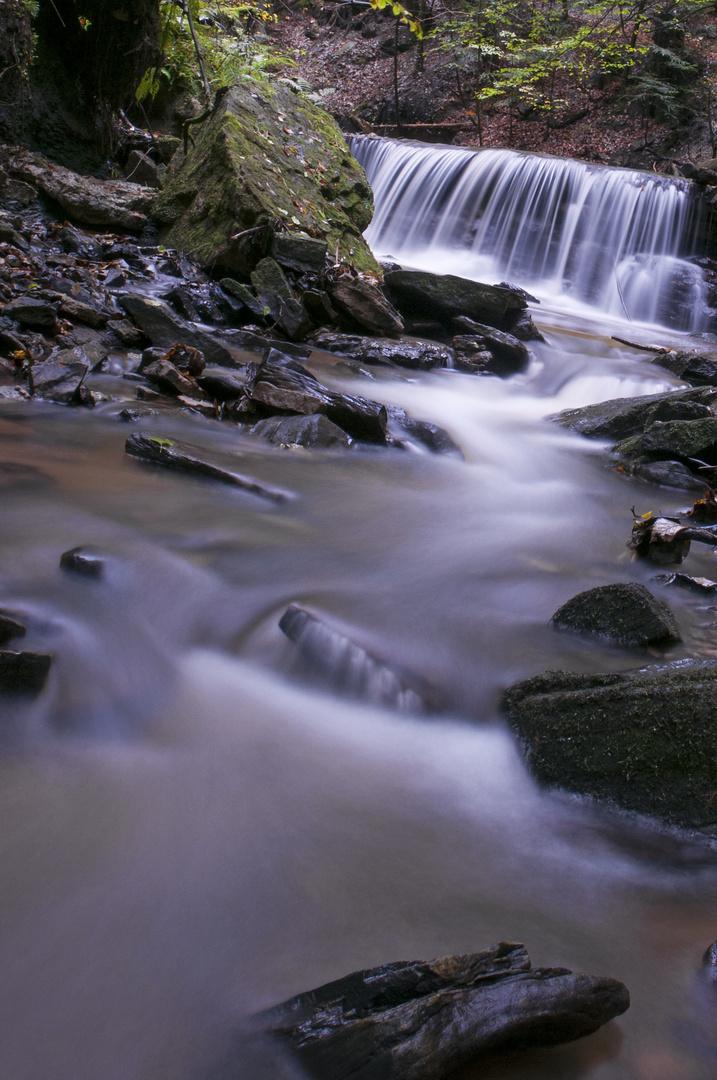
[23, 672]
[165, 376]
[128, 334]
[691, 367]
[691, 442]
[667, 474]
[165, 328]
[624, 614]
[645, 740]
[444, 296]
[313, 432]
[365, 304]
[276, 296]
[326, 654]
[621, 418]
[685, 581]
[520, 324]
[415, 355]
[176, 455]
[85, 313]
[298, 252]
[244, 295]
[264, 155]
[83, 561]
[509, 354]
[282, 385]
[57, 382]
[432, 437]
[74, 241]
[221, 384]
[111, 203]
[10, 235]
[37, 314]
[10, 628]
[418, 1019]
[253, 341]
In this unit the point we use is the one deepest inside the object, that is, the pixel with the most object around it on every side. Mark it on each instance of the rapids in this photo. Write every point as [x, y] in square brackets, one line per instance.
[190, 833]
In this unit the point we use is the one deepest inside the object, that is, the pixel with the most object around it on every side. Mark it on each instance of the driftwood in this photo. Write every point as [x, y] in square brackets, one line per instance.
[420, 1020]
[175, 455]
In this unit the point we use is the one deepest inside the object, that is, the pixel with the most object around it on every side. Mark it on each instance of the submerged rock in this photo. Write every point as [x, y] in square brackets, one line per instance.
[176, 455]
[421, 1020]
[645, 740]
[264, 155]
[330, 656]
[624, 614]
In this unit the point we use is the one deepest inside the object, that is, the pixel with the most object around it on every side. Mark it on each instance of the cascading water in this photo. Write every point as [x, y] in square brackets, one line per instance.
[614, 239]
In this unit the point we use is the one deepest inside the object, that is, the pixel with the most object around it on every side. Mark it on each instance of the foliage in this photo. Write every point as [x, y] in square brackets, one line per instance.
[227, 41]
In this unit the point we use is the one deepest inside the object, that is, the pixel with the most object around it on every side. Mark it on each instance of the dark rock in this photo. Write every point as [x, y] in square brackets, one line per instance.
[38, 314]
[131, 416]
[140, 169]
[471, 357]
[425, 1019]
[326, 654]
[685, 581]
[85, 313]
[113, 203]
[165, 376]
[245, 296]
[221, 384]
[252, 341]
[176, 455]
[10, 628]
[520, 324]
[416, 355]
[83, 561]
[165, 328]
[691, 367]
[430, 436]
[643, 739]
[300, 253]
[406, 40]
[128, 334]
[444, 296]
[275, 294]
[621, 418]
[667, 474]
[313, 432]
[692, 442]
[282, 385]
[366, 304]
[57, 382]
[23, 672]
[71, 240]
[623, 614]
[510, 354]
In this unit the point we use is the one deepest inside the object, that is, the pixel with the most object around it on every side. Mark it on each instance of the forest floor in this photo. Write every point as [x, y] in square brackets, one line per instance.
[348, 61]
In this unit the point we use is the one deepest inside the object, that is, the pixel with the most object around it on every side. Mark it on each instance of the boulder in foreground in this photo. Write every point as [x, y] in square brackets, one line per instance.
[645, 740]
[421, 1020]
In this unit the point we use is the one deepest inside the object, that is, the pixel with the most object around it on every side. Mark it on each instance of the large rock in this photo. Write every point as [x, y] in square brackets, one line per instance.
[691, 442]
[691, 367]
[645, 740]
[624, 614]
[364, 302]
[112, 203]
[312, 432]
[421, 1020]
[263, 156]
[57, 382]
[165, 328]
[445, 297]
[621, 418]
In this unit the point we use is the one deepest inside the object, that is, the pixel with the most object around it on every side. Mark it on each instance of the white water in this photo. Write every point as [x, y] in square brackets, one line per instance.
[614, 240]
[188, 835]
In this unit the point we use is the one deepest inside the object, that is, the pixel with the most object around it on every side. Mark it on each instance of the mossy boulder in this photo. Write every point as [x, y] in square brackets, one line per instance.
[621, 418]
[264, 160]
[627, 614]
[645, 740]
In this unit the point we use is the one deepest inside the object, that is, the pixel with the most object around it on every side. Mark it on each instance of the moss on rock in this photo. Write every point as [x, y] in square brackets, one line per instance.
[265, 157]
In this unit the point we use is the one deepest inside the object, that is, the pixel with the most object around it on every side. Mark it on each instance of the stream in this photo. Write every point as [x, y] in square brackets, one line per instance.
[193, 831]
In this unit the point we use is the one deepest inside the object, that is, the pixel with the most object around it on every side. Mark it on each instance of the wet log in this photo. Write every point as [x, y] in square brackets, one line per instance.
[420, 1020]
[175, 455]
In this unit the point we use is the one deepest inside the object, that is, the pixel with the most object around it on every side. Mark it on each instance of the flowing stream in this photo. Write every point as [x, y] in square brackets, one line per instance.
[192, 832]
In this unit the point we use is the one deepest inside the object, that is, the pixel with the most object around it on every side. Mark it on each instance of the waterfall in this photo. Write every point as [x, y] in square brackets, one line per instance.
[615, 240]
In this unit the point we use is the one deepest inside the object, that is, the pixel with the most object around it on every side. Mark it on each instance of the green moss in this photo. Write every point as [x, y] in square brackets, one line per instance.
[266, 157]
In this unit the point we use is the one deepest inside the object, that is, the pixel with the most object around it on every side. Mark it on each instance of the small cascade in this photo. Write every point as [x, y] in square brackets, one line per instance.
[616, 240]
